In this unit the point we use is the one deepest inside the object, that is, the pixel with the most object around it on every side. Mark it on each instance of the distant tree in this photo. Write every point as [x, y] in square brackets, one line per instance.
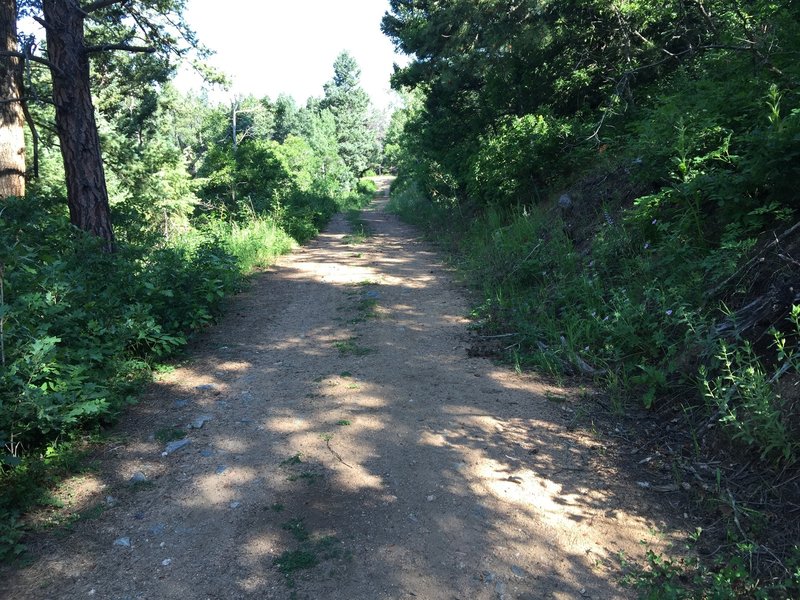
[251, 119]
[12, 138]
[318, 127]
[285, 117]
[350, 106]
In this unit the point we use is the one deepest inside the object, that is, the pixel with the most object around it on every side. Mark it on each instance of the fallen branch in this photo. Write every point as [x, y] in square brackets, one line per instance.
[336, 454]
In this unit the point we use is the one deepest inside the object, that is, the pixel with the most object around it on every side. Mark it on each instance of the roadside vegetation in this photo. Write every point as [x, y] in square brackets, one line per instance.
[201, 196]
[617, 181]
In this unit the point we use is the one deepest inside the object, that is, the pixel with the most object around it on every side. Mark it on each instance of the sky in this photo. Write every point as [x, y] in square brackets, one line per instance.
[268, 47]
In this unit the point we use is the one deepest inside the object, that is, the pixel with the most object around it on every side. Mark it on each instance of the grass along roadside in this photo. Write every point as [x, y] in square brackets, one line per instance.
[605, 303]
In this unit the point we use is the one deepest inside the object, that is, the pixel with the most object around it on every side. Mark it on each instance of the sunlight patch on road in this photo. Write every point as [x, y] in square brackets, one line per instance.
[234, 366]
[286, 424]
[330, 272]
[215, 489]
[495, 466]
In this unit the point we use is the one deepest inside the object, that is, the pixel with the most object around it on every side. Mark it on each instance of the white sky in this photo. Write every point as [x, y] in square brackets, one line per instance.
[268, 47]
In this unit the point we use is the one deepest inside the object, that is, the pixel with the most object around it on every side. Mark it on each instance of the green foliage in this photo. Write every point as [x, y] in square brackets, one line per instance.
[726, 578]
[604, 172]
[169, 434]
[366, 186]
[747, 400]
[351, 347]
[349, 104]
[533, 154]
[27, 485]
[616, 282]
[79, 325]
[81, 328]
[290, 561]
[255, 242]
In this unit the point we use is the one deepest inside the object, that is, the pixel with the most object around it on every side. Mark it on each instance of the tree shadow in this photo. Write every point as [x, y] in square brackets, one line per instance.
[408, 470]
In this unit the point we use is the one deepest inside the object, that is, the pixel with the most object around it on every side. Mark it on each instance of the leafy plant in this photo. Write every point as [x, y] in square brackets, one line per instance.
[351, 347]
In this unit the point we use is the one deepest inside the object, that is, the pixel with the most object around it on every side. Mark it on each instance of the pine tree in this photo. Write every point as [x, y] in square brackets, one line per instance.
[350, 106]
[12, 138]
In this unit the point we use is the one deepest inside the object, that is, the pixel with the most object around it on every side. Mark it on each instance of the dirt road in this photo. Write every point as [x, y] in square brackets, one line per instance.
[342, 445]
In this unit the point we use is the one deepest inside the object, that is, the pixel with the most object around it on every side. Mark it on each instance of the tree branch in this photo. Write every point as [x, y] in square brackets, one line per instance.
[41, 22]
[31, 58]
[24, 100]
[34, 136]
[124, 47]
[100, 4]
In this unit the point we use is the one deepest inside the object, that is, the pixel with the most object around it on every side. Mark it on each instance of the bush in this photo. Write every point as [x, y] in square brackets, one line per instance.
[80, 327]
[366, 186]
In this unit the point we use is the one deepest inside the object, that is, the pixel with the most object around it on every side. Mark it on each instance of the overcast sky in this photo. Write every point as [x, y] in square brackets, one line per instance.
[272, 46]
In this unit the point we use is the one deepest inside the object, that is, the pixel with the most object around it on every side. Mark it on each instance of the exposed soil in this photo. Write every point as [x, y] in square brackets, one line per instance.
[350, 433]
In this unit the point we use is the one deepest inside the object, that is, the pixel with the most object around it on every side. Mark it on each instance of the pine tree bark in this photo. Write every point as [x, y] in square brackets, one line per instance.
[12, 120]
[87, 195]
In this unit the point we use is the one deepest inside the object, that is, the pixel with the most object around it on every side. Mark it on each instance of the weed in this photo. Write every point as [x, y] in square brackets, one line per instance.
[169, 434]
[343, 422]
[328, 546]
[140, 486]
[687, 578]
[28, 485]
[295, 459]
[11, 532]
[296, 527]
[310, 477]
[351, 347]
[367, 304]
[357, 237]
[91, 513]
[295, 560]
[277, 506]
[553, 397]
[310, 552]
[748, 403]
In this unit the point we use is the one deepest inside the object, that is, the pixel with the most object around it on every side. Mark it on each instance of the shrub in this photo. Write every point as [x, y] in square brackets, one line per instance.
[366, 185]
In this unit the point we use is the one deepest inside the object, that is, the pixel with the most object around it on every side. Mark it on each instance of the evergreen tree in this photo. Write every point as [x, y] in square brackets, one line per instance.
[350, 106]
[75, 32]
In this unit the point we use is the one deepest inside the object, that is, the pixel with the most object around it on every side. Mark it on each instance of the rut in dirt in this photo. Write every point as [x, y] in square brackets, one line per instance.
[345, 446]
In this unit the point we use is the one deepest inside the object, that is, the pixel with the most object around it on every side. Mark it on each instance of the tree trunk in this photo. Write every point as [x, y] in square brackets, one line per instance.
[87, 195]
[12, 120]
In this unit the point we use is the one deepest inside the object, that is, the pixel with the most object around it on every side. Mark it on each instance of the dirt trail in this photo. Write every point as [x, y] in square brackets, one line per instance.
[348, 432]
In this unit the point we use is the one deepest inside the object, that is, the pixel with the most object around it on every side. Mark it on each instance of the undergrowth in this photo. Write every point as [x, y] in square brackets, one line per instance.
[81, 330]
[641, 271]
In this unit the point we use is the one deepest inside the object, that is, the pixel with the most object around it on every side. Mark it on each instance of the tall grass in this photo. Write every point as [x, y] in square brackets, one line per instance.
[254, 244]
